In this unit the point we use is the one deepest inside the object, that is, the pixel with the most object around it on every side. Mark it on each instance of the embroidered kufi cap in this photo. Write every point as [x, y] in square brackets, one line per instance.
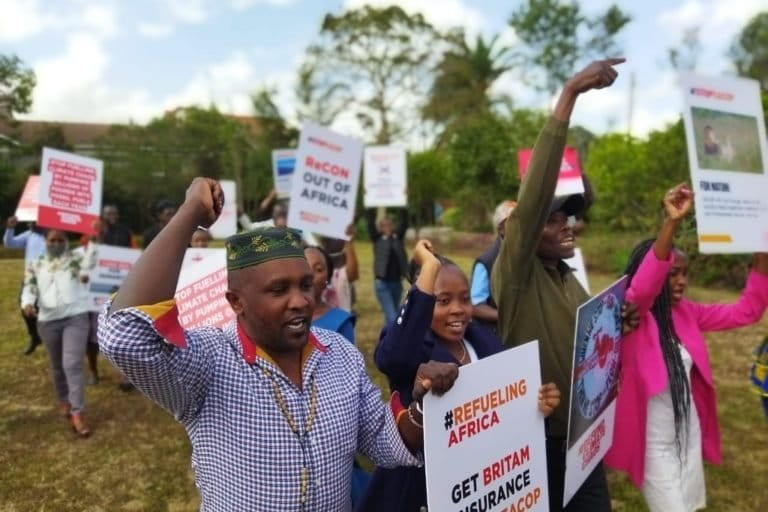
[262, 245]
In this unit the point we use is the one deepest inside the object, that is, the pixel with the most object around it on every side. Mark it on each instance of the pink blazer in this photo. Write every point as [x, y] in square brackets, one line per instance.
[644, 374]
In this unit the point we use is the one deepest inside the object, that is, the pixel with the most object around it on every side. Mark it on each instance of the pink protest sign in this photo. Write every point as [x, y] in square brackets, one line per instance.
[569, 182]
[70, 191]
[201, 287]
[27, 209]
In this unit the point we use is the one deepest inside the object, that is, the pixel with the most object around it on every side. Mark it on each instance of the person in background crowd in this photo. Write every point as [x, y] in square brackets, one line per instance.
[434, 324]
[666, 411]
[390, 263]
[33, 243]
[274, 408]
[325, 315]
[341, 292]
[56, 282]
[201, 238]
[535, 291]
[483, 307]
[164, 211]
[112, 232]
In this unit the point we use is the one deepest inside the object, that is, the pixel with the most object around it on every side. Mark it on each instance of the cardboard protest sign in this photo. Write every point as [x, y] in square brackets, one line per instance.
[70, 191]
[384, 172]
[324, 188]
[728, 155]
[484, 446]
[226, 224]
[283, 165]
[594, 381]
[569, 181]
[200, 291]
[26, 211]
[579, 268]
[111, 266]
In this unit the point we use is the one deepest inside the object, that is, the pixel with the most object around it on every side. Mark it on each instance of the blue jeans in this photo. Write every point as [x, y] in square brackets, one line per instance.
[388, 294]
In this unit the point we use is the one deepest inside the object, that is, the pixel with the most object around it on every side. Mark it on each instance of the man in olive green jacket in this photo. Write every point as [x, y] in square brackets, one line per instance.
[536, 292]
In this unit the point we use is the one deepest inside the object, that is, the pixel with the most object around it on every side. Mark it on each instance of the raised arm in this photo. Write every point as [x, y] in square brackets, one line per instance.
[404, 344]
[652, 272]
[10, 238]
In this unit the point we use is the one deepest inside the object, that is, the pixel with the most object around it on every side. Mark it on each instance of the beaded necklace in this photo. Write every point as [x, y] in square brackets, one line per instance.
[302, 435]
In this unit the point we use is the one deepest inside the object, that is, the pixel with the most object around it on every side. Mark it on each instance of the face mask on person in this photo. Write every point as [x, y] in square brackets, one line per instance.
[54, 251]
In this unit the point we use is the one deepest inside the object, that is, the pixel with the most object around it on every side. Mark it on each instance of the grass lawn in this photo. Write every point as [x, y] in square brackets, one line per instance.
[138, 456]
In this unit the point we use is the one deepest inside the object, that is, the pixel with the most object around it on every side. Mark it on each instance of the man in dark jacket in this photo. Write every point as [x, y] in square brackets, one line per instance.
[112, 232]
[390, 263]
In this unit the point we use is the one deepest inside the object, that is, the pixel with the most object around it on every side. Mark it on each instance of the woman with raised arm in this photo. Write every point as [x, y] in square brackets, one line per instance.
[666, 418]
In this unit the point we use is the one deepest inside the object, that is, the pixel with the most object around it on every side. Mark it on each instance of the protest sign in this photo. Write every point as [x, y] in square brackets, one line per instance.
[283, 165]
[26, 211]
[594, 381]
[201, 287]
[569, 181]
[484, 446]
[324, 187]
[226, 224]
[579, 268]
[728, 155]
[111, 266]
[384, 176]
[70, 191]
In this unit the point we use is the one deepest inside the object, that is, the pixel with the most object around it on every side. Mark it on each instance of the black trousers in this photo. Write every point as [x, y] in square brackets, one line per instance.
[31, 323]
[592, 496]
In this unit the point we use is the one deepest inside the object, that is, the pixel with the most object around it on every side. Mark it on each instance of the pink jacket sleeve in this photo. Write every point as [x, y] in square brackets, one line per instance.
[648, 281]
[747, 310]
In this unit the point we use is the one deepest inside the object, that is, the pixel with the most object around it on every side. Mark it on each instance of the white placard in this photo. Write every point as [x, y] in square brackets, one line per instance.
[384, 172]
[70, 191]
[283, 165]
[484, 439]
[728, 155]
[324, 188]
[226, 224]
[594, 382]
[26, 211]
[111, 266]
[201, 287]
[579, 268]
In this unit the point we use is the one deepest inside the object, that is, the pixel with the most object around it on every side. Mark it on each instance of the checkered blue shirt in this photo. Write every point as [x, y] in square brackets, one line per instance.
[244, 454]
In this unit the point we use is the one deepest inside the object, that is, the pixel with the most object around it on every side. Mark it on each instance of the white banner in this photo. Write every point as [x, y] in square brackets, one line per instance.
[283, 165]
[226, 224]
[484, 445]
[324, 188]
[594, 381]
[384, 172]
[200, 291]
[70, 191]
[111, 266]
[728, 155]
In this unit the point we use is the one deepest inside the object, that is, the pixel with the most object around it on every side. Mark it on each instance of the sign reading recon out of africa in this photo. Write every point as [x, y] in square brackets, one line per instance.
[484, 445]
[324, 186]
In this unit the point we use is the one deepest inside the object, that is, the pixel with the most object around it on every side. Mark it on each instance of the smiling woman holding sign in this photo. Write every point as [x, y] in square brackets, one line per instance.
[433, 324]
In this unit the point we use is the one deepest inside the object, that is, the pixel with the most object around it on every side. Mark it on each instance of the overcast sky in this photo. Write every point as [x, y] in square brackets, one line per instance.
[114, 61]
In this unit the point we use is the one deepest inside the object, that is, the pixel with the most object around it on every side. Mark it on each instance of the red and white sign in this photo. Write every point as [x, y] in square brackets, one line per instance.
[112, 265]
[27, 209]
[200, 291]
[226, 224]
[324, 186]
[70, 191]
[384, 176]
[484, 445]
[569, 181]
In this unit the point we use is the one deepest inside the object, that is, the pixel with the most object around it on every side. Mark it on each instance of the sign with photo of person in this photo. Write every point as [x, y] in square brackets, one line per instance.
[594, 381]
[728, 155]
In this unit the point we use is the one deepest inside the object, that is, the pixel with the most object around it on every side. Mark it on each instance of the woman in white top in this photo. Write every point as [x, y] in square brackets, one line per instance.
[56, 281]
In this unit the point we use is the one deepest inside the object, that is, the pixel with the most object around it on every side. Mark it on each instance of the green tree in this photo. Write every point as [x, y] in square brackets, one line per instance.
[16, 85]
[373, 64]
[427, 171]
[464, 76]
[750, 50]
[556, 36]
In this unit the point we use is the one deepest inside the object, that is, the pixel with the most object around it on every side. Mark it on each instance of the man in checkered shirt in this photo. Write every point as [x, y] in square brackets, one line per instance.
[275, 411]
